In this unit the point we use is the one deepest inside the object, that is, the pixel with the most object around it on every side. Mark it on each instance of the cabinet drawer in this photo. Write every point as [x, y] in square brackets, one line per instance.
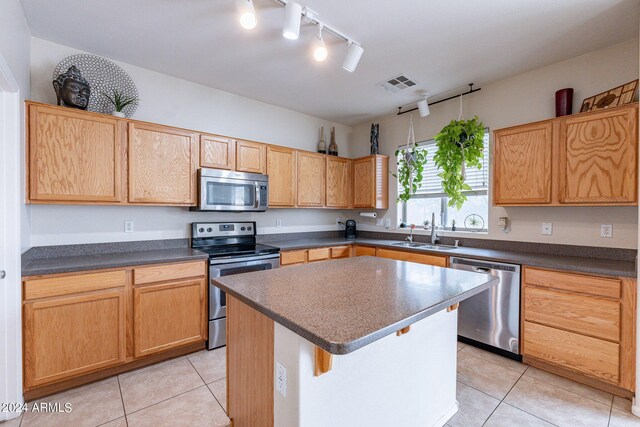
[591, 356]
[318, 254]
[436, 260]
[365, 250]
[340, 252]
[293, 257]
[159, 273]
[595, 317]
[573, 282]
[64, 285]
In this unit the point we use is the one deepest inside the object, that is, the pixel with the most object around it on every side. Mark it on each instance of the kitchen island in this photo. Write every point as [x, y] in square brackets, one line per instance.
[357, 341]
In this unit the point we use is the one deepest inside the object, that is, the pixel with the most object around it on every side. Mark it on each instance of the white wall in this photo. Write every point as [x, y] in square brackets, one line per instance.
[521, 99]
[15, 48]
[177, 102]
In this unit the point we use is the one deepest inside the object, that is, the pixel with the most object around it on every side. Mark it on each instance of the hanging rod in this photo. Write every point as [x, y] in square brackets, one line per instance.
[471, 90]
[311, 16]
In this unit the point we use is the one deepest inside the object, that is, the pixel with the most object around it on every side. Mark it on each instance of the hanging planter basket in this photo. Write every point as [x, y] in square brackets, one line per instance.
[460, 145]
[411, 163]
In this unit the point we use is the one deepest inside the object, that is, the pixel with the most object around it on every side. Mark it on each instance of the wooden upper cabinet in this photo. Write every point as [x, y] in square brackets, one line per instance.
[599, 157]
[163, 164]
[338, 182]
[74, 156]
[311, 179]
[217, 152]
[251, 157]
[281, 168]
[522, 164]
[371, 182]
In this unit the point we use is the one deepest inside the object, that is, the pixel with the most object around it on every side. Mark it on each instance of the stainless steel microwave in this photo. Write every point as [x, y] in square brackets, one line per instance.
[229, 191]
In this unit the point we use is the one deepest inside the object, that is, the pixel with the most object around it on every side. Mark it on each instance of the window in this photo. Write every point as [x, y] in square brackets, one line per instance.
[431, 198]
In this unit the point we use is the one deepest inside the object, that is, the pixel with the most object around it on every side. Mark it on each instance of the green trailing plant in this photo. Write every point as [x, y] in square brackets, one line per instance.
[460, 145]
[411, 163]
[119, 100]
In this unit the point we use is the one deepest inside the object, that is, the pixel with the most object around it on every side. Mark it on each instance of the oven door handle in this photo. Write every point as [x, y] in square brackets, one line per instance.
[239, 261]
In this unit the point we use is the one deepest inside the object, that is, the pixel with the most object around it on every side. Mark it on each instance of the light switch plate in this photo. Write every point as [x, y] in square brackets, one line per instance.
[278, 223]
[606, 230]
[128, 226]
[281, 379]
[547, 228]
[387, 223]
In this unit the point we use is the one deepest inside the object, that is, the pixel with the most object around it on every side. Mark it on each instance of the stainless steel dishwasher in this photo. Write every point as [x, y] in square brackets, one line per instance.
[492, 317]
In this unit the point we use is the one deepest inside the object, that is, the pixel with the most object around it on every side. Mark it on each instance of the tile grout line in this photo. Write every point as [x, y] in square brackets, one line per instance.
[504, 397]
[162, 401]
[489, 361]
[124, 409]
[207, 385]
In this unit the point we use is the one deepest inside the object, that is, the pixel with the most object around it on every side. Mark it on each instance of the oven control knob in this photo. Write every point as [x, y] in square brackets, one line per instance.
[241, 228]
[209, 229]
[249, 228]
[201, 230]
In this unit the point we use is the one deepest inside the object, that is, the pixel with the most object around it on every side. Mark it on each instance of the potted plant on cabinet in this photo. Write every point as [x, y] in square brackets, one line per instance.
[460, 145]
[119, 101]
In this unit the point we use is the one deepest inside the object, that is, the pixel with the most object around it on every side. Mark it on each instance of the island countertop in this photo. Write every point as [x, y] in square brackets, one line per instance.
[346, 304]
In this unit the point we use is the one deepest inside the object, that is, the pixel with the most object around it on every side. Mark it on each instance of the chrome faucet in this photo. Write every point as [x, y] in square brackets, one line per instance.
[434, 236]
[410, 237]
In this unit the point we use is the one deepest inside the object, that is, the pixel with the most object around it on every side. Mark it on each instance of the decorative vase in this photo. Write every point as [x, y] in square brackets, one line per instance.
[322, 146]
[117, 114]
[375, 132]
[333, 147]
[564, 102]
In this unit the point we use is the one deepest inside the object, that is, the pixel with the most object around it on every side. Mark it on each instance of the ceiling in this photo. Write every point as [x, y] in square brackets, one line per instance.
[442, 44]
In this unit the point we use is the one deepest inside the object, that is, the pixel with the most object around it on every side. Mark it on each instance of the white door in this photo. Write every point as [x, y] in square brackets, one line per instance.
[10, 247]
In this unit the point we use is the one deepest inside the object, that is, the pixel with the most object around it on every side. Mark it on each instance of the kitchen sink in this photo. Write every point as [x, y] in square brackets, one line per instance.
[424, 246]
[408, 244]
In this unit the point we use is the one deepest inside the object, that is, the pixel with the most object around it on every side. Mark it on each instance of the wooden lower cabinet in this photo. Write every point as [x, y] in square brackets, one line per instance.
[437, 260]
[304, 256]
[168, 315]
[74, 334]
[80, 327]
[364, 251]
[580, 326]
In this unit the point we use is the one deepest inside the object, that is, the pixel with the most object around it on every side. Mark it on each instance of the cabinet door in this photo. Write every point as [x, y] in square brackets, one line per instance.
[71, 335]
[436, 260]
[281, 168]
[598, 157]
[74, 156]
[217, 152]
[168, 315]
[162, 165]
[522, 165]
[311, 179]
[338, 182]
[251, 157]
[364, 185]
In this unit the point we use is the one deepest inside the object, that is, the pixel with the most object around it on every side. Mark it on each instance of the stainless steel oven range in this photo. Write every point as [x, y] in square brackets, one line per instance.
[232, 249]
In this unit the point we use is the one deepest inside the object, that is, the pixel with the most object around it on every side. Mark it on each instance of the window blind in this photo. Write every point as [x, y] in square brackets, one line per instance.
[478, 179]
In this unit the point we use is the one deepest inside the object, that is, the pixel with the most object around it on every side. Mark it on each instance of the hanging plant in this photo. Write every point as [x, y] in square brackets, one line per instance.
[411, 162]
[460, 145]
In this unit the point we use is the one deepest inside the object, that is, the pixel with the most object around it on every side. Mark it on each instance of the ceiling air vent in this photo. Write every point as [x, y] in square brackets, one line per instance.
[398, 83]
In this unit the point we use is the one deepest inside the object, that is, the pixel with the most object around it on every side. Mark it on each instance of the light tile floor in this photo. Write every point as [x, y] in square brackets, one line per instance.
[492, 391]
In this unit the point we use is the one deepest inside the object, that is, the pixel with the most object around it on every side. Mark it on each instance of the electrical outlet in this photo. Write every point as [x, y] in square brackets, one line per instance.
[281, 379]
[503, 223]
[606, 230]
[547, 228]
[338, 221]
[278, 223]
[387, 223]
[128, 226]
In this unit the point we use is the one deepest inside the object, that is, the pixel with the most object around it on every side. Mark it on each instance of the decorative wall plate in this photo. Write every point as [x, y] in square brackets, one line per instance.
[474, 222]
[104, 76]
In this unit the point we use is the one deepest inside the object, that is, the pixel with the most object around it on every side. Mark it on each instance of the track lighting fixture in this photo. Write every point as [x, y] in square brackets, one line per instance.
[246, 14]
[423, 107]
[353, 57]
[320, 52]
[292, 16]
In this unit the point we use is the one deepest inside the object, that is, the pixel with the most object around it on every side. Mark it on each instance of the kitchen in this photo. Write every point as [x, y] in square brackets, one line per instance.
[144, 233]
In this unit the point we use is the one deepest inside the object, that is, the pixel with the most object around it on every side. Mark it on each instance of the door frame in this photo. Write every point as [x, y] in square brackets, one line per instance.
[11, 168]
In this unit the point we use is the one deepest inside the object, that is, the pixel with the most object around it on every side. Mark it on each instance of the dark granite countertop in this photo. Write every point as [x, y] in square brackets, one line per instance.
[607, 267]
[346, 304]
[97, 261]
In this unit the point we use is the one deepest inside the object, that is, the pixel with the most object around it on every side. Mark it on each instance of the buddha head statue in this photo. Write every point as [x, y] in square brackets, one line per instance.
[72, 89]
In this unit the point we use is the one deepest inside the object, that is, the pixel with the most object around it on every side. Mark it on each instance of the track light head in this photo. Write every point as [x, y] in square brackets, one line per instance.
[353, 57]
[291, 25]
[423, 107]
[320, 51]
[246, 14]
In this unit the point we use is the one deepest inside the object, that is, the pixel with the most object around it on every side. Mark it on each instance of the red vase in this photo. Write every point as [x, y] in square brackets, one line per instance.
[564, 102]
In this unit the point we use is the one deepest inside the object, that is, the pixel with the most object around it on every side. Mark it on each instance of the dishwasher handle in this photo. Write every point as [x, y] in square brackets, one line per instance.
[481, 270]
[482, 266]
